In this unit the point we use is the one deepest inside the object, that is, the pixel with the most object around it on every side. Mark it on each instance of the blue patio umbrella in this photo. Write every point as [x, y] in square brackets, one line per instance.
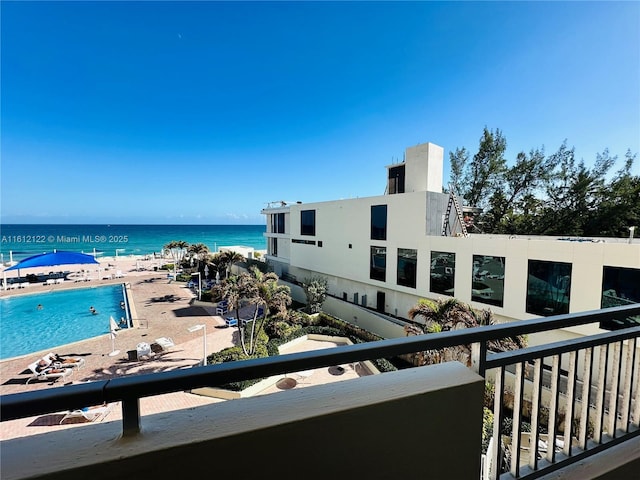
[54, 259]
[51, 260]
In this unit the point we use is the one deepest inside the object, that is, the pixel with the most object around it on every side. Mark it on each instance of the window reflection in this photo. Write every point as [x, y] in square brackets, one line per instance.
[378, 266]
[407, 263]
[443, 268]
[488, 280]
[548, 287]
[620, 286]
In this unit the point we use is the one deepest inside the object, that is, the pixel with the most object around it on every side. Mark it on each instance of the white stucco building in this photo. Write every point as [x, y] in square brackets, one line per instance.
[383, 253]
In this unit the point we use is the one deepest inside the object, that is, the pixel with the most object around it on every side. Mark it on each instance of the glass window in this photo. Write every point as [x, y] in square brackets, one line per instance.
[308, 222]
[548, 287]
[378, 222]
[620, 286]
[488, 280]
[277, 223]
[274, 247]
[378, 266]
[407, 263]
[443, 270]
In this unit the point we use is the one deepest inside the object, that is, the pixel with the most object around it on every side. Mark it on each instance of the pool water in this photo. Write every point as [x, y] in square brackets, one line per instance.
[63, 318]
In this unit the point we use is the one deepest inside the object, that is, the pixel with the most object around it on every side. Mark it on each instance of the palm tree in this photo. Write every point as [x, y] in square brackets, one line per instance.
[232, 291]
[229, 258]
[198, 251]
[451, 314]
[264, 292]
[177, 250]
[215, 264]
[261, 290]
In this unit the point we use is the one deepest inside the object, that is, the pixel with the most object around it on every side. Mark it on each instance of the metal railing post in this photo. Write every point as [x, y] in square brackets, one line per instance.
[130, 416]
[479, 357]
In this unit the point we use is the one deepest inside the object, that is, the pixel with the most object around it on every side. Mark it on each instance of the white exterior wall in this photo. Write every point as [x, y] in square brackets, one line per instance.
[423, 170]
[343, 222]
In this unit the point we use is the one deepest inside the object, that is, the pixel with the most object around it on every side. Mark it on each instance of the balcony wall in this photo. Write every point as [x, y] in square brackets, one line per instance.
[416, 423]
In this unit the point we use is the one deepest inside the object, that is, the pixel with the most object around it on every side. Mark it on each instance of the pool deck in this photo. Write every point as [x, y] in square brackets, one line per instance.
[164, 309]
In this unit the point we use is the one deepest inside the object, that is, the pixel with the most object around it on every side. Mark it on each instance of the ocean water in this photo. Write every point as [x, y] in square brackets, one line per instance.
[26, 240]
[64, 318]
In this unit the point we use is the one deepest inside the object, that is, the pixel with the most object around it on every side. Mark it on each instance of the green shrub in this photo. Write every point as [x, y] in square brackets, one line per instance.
[350, 330]
[303, 319]
[260, 265]
[206, 296]
[384, 365]
[183, 277]
[280, 329]
[236, 354]
[167, 266]
[489, 392]
[487, 428]
[231, 354]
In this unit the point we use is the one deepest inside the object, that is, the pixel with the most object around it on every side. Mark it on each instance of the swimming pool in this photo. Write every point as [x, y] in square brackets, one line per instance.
[63, 318]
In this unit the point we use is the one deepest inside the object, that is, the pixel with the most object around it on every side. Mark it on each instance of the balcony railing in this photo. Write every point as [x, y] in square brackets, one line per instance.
[597, 387]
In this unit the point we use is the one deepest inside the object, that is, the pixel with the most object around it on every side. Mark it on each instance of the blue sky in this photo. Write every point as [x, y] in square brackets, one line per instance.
[201, 112]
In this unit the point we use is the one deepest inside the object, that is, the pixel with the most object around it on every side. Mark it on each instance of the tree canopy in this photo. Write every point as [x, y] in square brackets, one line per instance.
[262, 291]
[539, 194]
[451, 314]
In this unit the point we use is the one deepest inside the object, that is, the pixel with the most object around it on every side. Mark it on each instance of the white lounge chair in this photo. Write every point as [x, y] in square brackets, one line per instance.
[69, 362]
[91, 414]
[47, 372]
[143, 349]
[165, 343]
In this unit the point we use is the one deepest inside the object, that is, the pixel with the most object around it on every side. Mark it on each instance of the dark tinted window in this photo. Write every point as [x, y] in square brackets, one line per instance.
[277, 225]
[378, 265]
[488, 280]
[620, 286]
[308, 222]
[378, 222]
[442, 274]
[407, 267]
[548, 287]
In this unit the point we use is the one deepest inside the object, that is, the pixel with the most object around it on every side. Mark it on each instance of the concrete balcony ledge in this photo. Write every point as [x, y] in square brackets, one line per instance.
[417, 423]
